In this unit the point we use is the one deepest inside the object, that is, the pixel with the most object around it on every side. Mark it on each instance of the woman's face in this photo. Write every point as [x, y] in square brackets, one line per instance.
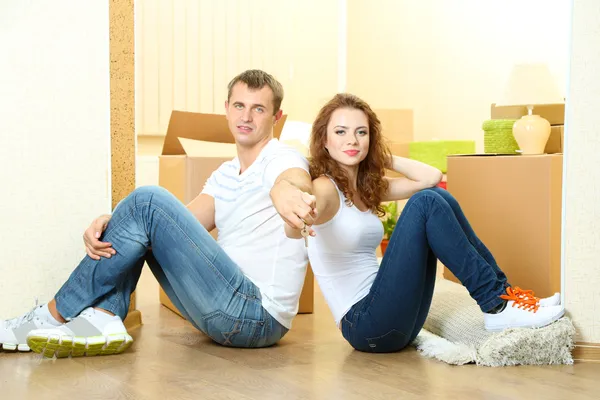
[348, 136]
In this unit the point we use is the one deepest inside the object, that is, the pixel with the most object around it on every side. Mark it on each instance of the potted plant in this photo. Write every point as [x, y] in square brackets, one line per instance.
[389, 223]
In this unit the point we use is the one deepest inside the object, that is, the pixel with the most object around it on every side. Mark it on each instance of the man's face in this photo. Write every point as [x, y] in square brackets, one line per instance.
[250, 114]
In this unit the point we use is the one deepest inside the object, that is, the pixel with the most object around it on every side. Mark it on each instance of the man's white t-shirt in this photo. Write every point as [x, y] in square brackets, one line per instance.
[252, 232]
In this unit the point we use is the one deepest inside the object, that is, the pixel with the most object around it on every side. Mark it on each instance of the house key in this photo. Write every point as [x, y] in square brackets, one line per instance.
[304, 232]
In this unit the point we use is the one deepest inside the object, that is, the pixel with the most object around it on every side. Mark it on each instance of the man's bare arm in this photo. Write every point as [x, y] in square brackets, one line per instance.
[292, 197]
[203, 208]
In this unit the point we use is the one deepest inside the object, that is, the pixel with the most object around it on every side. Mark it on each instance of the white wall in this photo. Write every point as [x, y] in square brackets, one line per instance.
[448, 60]
[581, 228]
[54, 141]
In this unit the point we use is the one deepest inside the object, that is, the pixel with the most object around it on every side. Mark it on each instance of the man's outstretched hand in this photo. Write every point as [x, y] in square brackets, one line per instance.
[294, 206]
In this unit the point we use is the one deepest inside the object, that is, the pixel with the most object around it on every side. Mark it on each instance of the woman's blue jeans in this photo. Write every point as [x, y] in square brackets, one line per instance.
[432, 226]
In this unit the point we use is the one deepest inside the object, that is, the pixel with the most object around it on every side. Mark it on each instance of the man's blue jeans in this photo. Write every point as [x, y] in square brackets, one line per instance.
[207, 287]
[431, 226]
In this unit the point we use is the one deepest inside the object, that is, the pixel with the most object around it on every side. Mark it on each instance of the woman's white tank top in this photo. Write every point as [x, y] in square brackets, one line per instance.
[342, 256]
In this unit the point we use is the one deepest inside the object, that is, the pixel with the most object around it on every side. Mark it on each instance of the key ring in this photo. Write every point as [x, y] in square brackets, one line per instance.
[303, 221]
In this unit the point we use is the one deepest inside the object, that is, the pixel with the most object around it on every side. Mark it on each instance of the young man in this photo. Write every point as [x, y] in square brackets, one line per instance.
[242, 290]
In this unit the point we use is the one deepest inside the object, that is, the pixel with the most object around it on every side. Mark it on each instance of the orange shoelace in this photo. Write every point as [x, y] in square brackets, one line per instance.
[528, 294]
[522, 298]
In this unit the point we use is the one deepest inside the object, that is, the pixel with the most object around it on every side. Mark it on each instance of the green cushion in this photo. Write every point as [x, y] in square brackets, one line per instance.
[498, 136]
[435, 152]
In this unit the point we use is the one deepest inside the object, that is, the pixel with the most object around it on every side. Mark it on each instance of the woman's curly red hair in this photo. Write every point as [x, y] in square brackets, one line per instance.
[371, 185]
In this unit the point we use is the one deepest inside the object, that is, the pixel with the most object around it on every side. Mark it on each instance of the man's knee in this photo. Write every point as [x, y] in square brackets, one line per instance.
[151, 191]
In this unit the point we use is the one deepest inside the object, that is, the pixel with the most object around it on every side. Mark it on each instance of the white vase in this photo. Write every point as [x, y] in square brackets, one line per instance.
[531, 133]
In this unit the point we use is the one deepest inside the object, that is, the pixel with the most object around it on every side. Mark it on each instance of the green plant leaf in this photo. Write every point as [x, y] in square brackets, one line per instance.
[394, 208]
[390, 218]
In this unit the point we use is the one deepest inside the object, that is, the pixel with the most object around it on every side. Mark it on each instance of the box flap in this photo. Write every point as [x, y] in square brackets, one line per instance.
[201, 148]
[200, 126]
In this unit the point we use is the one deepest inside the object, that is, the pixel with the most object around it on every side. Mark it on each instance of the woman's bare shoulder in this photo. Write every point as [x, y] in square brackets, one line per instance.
[327, 197]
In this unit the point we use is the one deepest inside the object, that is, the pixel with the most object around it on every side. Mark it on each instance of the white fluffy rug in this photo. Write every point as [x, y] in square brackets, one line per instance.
[454, 333]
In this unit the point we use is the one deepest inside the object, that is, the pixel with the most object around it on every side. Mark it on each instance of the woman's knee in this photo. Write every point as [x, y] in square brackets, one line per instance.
[426, 195]
[445, 194]
[391, 342]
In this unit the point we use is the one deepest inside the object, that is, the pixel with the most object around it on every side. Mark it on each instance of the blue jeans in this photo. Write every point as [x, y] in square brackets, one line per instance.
[431, 226]
[207, 287]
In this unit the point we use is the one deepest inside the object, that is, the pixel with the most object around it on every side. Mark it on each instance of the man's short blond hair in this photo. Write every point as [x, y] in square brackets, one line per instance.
[257, 79]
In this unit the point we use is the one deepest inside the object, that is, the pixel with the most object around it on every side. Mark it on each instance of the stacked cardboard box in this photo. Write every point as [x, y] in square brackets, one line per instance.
[514, 205]
[554, 113]
[397, 128]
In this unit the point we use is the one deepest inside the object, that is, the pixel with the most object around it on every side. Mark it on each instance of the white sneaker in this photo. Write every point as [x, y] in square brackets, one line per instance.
[91, 333]
[553, 300]
[522, 312]
[13, 332]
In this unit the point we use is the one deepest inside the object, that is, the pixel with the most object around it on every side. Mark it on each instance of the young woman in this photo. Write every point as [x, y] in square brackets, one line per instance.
[382, 308]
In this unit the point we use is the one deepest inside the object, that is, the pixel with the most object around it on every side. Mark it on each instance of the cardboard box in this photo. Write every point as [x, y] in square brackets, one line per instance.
[196, 145]
[556, 140]
[514, 205]
[554, 113]
[400, 149]
[397, 128]
[397, 124]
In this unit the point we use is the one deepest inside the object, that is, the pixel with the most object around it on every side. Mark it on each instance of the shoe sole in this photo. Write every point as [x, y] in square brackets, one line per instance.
[15, 347]
[79, 346]
[536, 326]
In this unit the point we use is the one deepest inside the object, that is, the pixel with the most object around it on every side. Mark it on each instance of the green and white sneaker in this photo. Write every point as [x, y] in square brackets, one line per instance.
[91, 333]
[14, 331]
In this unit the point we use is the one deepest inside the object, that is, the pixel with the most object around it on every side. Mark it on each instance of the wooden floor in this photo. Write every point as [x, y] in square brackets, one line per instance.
[171, 360]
